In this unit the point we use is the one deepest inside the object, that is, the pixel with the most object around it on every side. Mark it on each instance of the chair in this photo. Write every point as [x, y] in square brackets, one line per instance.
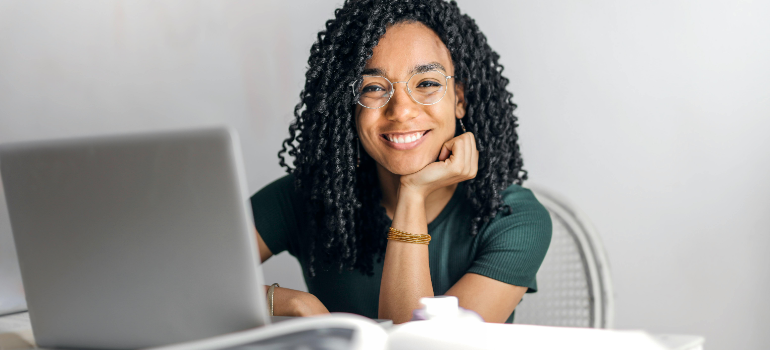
[574, 284]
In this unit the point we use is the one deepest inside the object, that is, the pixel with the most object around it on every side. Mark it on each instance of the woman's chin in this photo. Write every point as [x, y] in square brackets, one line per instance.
[407, 168]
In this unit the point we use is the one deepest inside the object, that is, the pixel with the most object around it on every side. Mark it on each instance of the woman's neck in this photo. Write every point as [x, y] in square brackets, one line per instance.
[390, 184]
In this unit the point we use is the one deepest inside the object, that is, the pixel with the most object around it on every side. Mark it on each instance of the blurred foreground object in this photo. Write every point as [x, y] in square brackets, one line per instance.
[343, 331]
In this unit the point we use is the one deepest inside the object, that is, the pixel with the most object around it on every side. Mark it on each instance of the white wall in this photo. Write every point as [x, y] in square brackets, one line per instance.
[651, 116]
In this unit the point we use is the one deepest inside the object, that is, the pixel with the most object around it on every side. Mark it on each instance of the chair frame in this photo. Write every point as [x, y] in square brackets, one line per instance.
[592, 253]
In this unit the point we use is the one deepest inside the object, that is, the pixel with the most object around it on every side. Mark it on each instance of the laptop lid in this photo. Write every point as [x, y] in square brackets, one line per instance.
[134, 241]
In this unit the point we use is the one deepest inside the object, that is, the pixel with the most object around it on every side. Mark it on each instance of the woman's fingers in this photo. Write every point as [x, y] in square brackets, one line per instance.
[474, 155]
[445, 151]
[458, 161]
[470, 156]
[469, 150]
[461, 156]
[450, 148]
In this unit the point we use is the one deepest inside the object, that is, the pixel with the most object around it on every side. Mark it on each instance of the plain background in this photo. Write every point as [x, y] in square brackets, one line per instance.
[651, 116]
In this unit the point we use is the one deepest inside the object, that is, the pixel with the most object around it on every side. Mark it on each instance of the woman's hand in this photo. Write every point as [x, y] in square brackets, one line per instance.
[290, 302]
[406, 269]
[458, 161]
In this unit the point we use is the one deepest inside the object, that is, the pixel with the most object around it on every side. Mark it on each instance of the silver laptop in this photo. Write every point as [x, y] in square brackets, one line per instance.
[134, 241]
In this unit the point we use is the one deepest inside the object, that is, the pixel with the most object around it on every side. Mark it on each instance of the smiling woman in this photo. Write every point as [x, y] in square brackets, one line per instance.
[407, 172]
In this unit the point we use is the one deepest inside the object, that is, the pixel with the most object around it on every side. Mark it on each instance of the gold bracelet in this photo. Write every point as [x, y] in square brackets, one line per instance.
[401, 236]
[270, 292]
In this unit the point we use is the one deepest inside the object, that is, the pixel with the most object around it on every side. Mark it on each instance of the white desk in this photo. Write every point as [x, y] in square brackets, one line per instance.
[16, 334]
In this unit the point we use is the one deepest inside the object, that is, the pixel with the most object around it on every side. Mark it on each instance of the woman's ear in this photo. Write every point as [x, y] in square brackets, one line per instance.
[459, 100]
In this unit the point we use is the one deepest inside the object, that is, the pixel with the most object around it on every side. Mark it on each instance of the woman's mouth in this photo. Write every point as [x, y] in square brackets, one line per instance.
[404, 140]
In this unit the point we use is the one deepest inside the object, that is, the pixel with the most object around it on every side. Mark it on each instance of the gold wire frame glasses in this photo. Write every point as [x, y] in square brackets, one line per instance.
[425, 88]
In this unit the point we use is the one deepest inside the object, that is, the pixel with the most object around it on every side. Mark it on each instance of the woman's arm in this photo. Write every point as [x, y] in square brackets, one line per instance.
[490, 298]
[406, 269]
[290, 302]
[264, 251]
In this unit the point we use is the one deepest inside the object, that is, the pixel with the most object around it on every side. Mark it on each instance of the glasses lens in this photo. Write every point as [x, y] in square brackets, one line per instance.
[374, 91]
[427, 88]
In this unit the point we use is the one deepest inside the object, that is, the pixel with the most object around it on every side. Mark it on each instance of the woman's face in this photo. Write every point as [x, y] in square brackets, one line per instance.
[386, 132]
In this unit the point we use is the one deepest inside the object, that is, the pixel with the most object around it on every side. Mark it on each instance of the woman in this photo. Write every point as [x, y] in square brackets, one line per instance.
[405, 129]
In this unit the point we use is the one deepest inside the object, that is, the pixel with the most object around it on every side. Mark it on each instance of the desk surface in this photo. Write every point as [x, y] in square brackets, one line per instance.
[16, 334]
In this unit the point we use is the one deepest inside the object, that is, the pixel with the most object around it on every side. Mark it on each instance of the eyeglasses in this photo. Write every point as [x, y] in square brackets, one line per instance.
[427, 88]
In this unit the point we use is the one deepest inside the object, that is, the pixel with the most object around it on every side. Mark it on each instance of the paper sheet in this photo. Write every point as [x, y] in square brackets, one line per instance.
[16, 332]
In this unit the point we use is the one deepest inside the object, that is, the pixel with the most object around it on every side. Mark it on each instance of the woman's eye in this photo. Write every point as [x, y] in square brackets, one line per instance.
[428, 84]
[372, 88]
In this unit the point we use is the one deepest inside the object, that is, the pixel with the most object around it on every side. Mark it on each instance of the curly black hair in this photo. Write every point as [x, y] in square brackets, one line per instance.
[347, 224]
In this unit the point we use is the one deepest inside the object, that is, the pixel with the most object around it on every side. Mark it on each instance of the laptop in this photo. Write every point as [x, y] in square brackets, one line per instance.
[134, 241]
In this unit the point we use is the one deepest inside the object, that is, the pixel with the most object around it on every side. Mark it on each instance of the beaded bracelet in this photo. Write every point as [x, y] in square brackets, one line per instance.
[401, 236]
[270, 292]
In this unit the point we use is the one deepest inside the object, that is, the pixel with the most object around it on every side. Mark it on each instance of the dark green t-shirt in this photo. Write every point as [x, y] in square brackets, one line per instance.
[509, 249]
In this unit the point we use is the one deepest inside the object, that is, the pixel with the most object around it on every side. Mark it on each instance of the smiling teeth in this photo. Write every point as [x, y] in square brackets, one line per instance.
[408, 138]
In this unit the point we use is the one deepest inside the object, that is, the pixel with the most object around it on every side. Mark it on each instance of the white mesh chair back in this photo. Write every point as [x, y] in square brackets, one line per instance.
[574, 285]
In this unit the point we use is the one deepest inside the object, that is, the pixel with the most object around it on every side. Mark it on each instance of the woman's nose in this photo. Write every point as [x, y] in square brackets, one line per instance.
[401, 107]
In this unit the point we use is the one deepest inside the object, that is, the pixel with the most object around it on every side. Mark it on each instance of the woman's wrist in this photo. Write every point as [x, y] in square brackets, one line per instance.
[410, 202]
[289, 302]
[409, 194]
[409, 215]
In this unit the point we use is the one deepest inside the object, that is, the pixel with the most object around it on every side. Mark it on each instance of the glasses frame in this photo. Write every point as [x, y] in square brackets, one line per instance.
[393, 88]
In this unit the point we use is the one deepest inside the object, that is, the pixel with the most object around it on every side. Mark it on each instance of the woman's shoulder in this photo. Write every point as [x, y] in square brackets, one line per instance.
[277, 197]
[517, 196]
[512, 246]
[282, 186]
[278, 214]
[283, 183]
[526, 213]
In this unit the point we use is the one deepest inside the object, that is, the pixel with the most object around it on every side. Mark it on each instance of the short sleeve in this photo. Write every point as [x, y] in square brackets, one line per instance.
[512, 246]
[277, 215]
